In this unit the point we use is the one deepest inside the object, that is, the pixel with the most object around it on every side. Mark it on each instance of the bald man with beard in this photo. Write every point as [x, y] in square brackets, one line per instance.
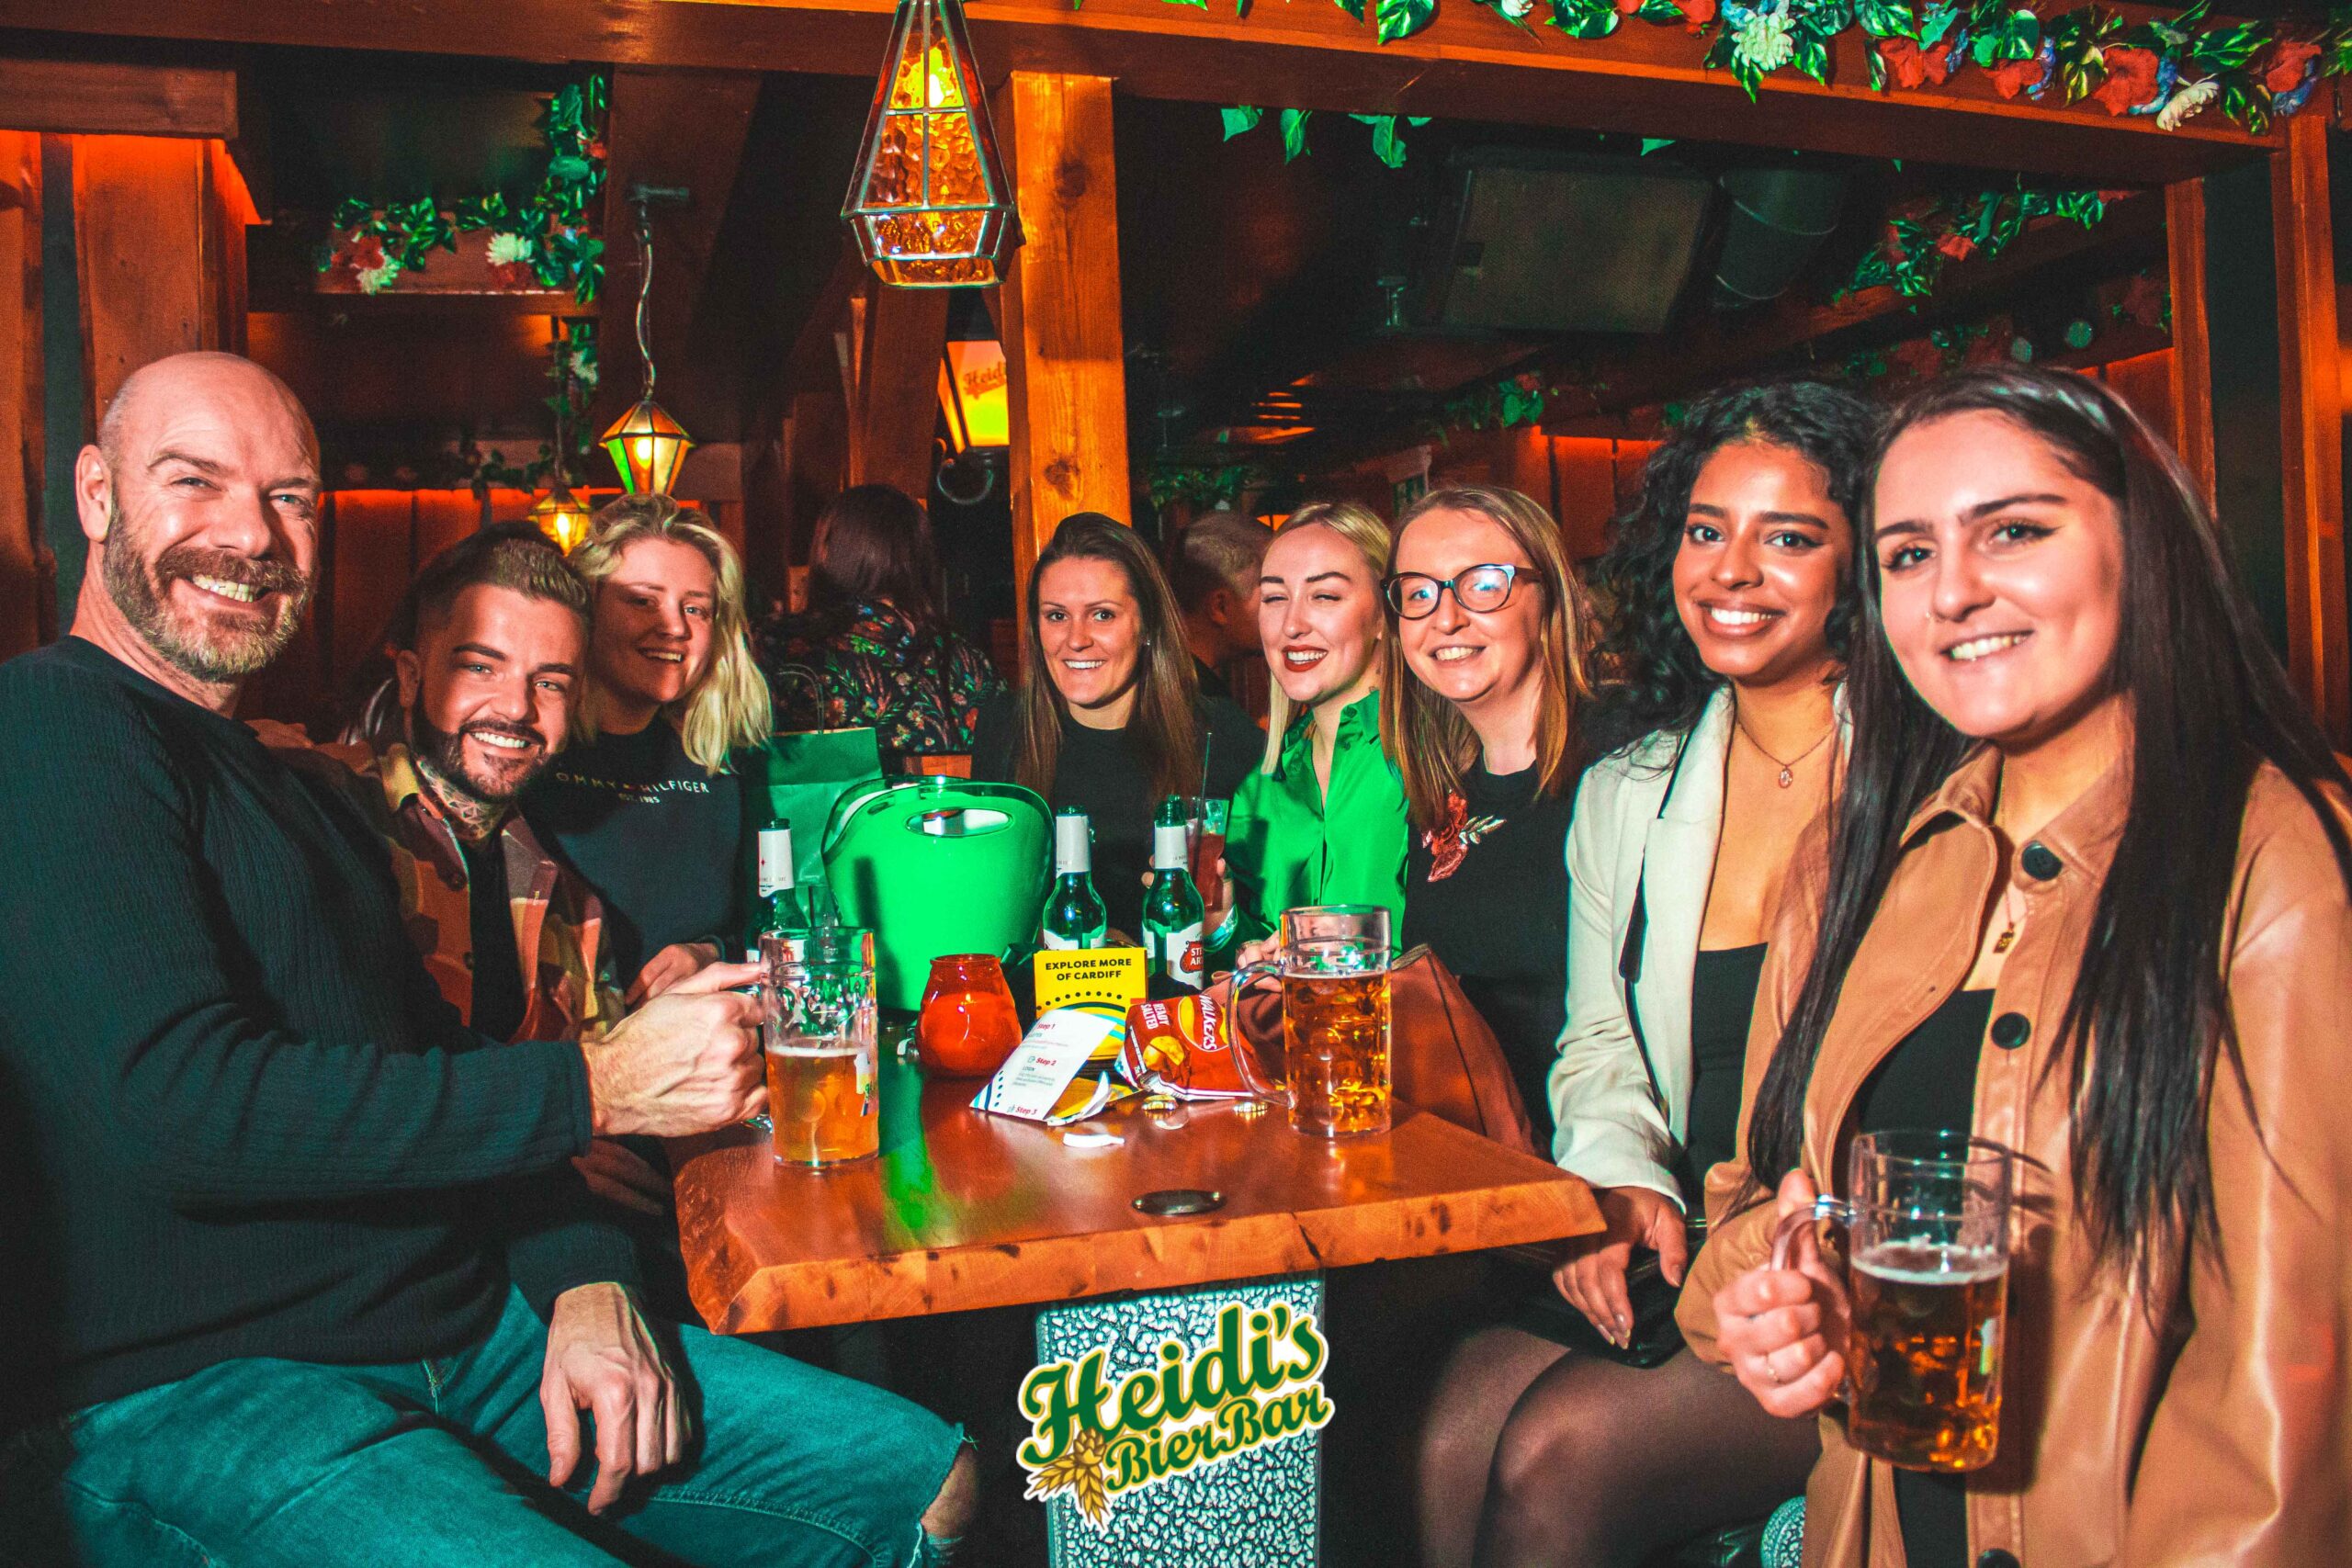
[298, 1270]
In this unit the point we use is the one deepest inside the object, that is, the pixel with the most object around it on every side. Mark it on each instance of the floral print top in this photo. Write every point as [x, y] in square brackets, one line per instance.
[919, 691]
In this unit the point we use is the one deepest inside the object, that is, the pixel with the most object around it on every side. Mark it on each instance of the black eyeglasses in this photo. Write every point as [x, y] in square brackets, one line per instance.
[1478, 589]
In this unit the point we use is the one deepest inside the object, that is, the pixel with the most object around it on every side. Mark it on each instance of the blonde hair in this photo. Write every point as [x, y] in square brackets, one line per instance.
[1358, 525]
[1426, 738]
[728, 706]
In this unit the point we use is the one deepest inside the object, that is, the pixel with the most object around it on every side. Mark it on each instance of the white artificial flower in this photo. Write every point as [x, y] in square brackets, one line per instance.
[507, 250]
[375, 279]
[1516, 10]
[1763, 42]
[583, 369]
[2185, 105]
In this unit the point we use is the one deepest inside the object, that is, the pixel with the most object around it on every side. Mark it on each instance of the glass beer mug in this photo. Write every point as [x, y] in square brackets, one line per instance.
[1333, 964]
[818, 1014]
[1928, 1273]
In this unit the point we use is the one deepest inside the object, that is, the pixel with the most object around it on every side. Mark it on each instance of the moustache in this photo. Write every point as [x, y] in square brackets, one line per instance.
[194, 561]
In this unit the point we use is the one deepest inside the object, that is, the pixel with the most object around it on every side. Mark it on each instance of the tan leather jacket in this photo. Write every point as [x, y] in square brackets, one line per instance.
[2222, 1431]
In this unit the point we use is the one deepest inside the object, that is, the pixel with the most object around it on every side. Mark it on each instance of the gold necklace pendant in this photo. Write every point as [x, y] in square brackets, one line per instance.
[2001, 944]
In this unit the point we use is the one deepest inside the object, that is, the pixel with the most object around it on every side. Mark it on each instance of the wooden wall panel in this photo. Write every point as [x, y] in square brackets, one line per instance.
[373, 534]
[1064, 346]
[2191, 368]
[20, 581]
[2310, 398]
[443, 517]
[2149, 382]
[1585, 479]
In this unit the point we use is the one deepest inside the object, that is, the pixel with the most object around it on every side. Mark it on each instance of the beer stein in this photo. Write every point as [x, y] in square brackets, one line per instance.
[1928, 1268]
[819, 1028]
[1333, 965]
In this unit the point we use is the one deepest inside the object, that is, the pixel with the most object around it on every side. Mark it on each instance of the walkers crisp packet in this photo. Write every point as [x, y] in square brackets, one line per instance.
[1183, 1046]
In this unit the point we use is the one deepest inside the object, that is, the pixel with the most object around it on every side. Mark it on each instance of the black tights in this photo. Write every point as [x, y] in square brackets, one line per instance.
[1532, 1457]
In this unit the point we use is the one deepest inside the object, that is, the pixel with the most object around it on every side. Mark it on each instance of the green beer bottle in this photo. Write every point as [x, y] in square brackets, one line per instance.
[1172, 910]
[781, 911]
[1074, 915]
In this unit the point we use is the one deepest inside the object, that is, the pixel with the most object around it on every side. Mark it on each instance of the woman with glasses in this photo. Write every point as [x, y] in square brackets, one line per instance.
[1716, 733]
[1479, 685]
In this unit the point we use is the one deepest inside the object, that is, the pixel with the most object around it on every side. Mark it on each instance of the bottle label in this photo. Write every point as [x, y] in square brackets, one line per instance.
[1182, 954]
[775, 860]
[1169, 852]
[1056, 942]
[1073, 845]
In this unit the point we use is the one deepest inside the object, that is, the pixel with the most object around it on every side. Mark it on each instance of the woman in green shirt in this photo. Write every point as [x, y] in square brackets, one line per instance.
[1322, 820]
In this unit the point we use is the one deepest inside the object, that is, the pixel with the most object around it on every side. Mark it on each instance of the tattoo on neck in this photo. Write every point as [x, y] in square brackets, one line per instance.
[472, 819]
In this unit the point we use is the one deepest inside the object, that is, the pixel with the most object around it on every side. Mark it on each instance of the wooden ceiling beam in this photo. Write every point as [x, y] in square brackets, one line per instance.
[683, 130]
[1469, 64]
[88, 98]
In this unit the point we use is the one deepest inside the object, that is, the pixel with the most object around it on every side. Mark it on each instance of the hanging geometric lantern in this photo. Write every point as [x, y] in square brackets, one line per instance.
[562, 516]
[646, 444]
[927, 201]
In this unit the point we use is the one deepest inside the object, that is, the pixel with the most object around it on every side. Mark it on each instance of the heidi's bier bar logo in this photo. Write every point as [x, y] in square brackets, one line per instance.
[1258, 1383]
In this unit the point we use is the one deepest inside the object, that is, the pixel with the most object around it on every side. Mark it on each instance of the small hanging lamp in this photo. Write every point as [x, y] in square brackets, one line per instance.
[560, 515]
[929, 202]
[646, 444]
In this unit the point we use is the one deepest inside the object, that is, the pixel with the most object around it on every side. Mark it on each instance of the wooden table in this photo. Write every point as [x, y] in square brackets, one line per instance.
[966, 1210]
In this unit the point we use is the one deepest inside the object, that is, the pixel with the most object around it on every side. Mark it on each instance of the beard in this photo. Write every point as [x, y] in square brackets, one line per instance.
[195, 645]
[443, 753]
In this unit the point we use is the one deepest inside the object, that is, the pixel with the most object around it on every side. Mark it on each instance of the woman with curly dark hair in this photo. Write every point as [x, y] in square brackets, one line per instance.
[1731, 584]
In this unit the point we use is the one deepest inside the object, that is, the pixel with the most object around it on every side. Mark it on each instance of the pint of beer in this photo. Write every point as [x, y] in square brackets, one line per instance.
[822, 1098]
[1928, 1231]
[1334, 967]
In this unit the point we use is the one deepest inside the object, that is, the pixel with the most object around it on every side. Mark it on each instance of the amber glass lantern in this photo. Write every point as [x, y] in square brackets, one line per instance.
[929, 203]
[562, 516]
[646, 444]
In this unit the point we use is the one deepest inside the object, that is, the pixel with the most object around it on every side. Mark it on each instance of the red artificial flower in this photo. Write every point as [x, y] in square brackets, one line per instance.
[1957, 245]
[2131, 78]
[1696, 13]
[2289, 58]
[597, 148]
[2014, 76]
[1917, 357]
[514, 274]
[1912, 66]
[355, 252]
[1445, 841]
[2144, 300]
[1627, 8]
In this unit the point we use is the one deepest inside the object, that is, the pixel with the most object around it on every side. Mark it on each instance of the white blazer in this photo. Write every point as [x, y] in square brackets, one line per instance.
[1614, 1129]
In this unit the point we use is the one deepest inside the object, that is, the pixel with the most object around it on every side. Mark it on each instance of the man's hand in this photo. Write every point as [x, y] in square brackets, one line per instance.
[1783, 1330]
[679, 961]
[616, 1173]
[602, 1358]
[1593, 1279]
[686, 1062]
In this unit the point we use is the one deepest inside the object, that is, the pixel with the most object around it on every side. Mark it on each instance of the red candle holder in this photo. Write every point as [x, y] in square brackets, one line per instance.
[967, 1026]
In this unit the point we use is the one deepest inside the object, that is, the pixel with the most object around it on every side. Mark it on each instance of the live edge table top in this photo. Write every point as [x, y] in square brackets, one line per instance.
[963, 1210]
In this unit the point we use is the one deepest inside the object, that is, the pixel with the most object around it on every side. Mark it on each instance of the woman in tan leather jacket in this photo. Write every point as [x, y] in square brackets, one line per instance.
[2087, 896]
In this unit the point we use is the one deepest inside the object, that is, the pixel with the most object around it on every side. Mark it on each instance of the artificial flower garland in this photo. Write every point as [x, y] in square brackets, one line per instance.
[548, 240]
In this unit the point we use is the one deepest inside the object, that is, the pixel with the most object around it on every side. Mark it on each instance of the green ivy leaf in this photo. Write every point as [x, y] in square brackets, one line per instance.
[1811, 56]
[1239, 117]
[1293, 133]
[1584, 18]
[1886, 19]
[1665, 12]
[1387, 144]
[1352, 7]
[1652, 143]
[1936, 24]
[568, 168]
[1402, 18]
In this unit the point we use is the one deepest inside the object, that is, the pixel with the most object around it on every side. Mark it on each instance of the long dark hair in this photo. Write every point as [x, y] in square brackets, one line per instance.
[872, 542]
[1652, 677]
[2209, 706]
[1163, 721]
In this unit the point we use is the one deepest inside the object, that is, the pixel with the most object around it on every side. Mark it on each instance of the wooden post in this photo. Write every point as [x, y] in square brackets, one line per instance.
[2311, 424]
[1064, 357]
[160, 225]
[2192, 358]
[894, 408]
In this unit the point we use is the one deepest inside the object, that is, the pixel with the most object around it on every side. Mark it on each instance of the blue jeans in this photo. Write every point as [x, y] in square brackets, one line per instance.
[291, 1464]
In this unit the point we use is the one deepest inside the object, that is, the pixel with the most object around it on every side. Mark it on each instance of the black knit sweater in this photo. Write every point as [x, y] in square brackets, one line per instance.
[236, 1117]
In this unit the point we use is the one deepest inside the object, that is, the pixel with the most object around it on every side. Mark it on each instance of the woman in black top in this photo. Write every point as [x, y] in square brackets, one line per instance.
[643, 803]
[1477, 711]
[1108, 719]
[1732, 583]
[876, 649]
